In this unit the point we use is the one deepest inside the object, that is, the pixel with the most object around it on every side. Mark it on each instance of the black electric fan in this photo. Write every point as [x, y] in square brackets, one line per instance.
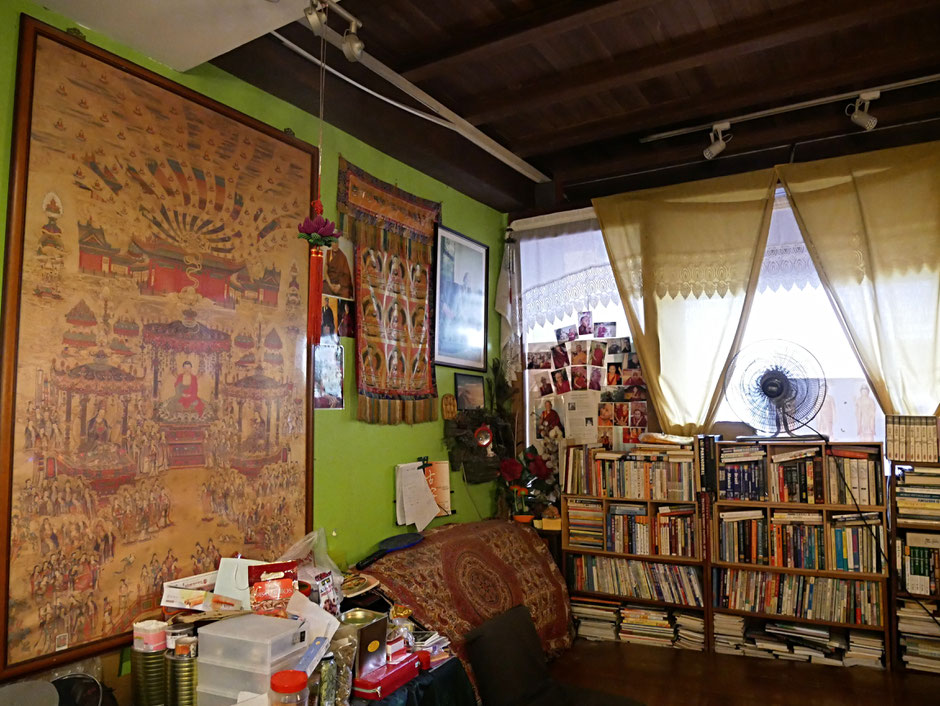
[777, 387]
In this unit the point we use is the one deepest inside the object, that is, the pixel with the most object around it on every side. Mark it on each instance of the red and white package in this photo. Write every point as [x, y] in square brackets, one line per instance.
[271, 586]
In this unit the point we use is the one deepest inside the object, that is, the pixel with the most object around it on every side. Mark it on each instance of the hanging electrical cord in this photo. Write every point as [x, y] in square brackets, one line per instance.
[871, 530]
[322, 64]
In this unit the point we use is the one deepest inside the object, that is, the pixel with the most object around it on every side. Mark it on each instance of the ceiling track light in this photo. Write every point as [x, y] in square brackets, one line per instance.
[858, 111]
[352, 45]
[317, 14]
[719, 140]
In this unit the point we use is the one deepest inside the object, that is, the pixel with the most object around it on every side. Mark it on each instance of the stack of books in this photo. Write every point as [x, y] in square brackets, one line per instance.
[646, 626]
[911, 438]
[920, 635]
[690, 631]
[675, 530]
[812, 643]
[866, 649]
[919, 562]
[796, 477]
[762, 643]
[586, 523]
[596, 618]
[858, 541]
[742, 537]
[741, 474]
[629, 578]
[918, 496]
[628, 529]
[729, 634]
[854, 476]
[797, 540]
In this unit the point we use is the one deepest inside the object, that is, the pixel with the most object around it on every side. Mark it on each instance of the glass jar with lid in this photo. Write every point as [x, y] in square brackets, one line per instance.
[289, 687]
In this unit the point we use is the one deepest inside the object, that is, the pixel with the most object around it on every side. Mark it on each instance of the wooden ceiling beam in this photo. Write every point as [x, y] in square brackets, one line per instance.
[884, 65]
[796, 23]
[537, 25]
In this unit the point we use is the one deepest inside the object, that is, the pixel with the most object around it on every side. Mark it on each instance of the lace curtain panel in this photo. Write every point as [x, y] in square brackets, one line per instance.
[690, 256]
[565, 269]
[872, 225]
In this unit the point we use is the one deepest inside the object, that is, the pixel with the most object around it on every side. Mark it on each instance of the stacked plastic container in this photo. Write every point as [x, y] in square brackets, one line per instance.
[241, 654]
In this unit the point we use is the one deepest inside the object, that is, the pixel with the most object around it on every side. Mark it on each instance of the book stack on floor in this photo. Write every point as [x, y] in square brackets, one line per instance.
[729, 634]
[690, 631]
[918, 496]
[586, 523]
[646, 625]
[741, 473]
[911, 438]
[866, 649]
[596, 618]
[919, 635]
[812, 643]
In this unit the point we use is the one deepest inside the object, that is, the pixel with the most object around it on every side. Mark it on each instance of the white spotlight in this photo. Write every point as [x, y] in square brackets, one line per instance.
[316, 17]
[718, 140]
[858, 111]
[352, 45]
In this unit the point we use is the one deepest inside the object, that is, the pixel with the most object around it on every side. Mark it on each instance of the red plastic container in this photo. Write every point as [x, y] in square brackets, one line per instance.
[381, 682]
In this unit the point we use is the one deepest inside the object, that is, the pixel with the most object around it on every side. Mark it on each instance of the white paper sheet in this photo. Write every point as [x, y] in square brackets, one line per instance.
[581, 416]
[414, 501]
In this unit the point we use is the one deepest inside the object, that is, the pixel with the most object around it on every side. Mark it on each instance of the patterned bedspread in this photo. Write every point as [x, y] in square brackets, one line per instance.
[463, 574]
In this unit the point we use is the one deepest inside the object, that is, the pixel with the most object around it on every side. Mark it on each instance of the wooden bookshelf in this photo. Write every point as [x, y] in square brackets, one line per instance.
[606, 499]
[791, 485]
[899, 530]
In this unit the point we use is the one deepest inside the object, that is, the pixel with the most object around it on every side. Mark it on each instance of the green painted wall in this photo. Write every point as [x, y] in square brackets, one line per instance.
[354, 479]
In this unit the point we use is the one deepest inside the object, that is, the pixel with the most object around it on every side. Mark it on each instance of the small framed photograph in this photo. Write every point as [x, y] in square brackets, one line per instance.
[470, 391]
[462, 277]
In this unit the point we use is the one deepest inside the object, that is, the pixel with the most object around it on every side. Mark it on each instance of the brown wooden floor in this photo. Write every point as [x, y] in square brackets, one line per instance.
[666, 677]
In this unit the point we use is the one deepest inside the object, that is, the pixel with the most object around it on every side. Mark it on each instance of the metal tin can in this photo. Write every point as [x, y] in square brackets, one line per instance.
[185, 647]
[175, 631]
[369, 628]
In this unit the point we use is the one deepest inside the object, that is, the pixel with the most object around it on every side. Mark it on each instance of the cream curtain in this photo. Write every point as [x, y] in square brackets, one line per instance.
[872, 225]
[686, 259]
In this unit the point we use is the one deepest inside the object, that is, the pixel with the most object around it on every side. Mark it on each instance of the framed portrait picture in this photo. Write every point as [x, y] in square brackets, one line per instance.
[470, 391]
[154, 370]
[462, 277]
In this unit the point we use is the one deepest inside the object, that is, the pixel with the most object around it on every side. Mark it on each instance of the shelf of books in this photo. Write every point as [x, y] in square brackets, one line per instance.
[798, 538]
[632, 536]
[915, 535]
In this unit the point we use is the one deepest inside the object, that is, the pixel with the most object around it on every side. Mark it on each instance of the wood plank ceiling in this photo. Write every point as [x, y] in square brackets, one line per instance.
[572, 85]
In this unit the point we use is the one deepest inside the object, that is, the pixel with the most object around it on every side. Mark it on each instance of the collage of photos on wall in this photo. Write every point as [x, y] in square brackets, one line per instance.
[338, 309]
[586, 388]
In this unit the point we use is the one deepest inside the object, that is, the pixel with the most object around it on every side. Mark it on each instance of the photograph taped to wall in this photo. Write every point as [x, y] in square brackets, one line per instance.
[605, 329]
[164, 397]
[618, 346]
[579, 380]
[539, 356]
[595, 378]
[560, 380]
[549, 423]
[577, 352]
[598, 352]
[541, 384]
[613, 393]
[560, 356]
[585, 323]
[566, 333]
[328, 376]
[337, 269]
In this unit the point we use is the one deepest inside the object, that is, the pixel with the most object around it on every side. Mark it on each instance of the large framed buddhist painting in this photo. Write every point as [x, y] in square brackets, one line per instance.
[155, 408]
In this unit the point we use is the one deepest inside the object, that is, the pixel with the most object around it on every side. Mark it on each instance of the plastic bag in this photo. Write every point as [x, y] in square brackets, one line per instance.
[312, 558]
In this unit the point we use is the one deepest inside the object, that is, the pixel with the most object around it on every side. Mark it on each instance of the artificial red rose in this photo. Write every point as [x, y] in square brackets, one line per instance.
[510, 469]
[537, 465]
